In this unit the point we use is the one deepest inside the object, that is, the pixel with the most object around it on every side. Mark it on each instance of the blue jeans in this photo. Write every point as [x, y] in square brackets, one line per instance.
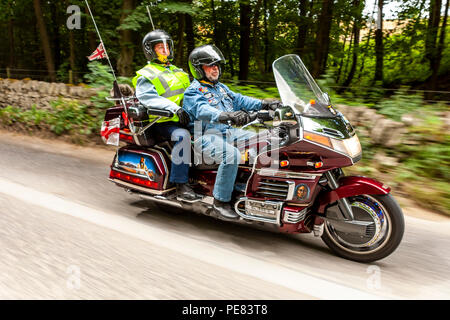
[181, 152]
[217, 148]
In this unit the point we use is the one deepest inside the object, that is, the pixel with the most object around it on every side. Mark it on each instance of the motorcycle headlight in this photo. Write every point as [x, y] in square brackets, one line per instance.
[350, 146]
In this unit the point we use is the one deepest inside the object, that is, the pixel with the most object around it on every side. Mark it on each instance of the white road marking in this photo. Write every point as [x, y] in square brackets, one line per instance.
[203, 251]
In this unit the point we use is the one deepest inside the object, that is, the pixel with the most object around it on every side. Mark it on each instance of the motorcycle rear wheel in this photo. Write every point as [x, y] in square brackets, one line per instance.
[380, 241]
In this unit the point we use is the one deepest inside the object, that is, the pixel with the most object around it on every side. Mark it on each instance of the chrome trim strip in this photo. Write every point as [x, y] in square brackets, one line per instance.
[267, 172]
[294, 217]
[291, 190]
[165, 166]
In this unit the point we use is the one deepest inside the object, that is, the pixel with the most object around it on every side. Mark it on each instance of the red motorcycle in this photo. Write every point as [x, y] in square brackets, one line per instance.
[290, 176]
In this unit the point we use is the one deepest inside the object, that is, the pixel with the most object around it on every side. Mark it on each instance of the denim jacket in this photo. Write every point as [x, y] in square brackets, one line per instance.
[206, 101]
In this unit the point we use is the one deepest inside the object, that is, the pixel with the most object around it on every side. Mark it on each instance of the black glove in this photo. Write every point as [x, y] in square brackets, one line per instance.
[239, 118]
[184, 117]
[270, 104]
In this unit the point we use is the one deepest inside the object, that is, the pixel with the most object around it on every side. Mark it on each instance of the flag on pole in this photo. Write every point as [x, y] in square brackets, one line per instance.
[99, 53]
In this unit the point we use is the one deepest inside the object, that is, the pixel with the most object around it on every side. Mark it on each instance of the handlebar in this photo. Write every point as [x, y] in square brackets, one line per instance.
[159, 113]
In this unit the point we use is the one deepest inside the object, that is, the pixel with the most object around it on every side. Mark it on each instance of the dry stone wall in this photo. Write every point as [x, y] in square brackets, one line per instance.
[26, 93]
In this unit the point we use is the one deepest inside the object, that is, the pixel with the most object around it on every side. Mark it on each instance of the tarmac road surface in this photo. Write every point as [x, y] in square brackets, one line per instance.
[66, 232]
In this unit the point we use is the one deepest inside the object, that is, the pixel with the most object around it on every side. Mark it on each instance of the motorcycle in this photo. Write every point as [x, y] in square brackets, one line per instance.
[290, 178]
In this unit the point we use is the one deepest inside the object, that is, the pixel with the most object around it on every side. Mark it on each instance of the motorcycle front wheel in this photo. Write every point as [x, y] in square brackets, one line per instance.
[381, 238]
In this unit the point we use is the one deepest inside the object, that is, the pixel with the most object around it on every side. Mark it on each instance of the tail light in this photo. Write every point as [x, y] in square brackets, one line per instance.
[136, 180]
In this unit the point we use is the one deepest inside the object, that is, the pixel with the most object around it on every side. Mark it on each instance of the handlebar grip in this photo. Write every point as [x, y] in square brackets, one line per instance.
[159, 112]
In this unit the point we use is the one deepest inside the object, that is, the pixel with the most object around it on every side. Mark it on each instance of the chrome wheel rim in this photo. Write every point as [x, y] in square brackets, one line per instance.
[365, 208]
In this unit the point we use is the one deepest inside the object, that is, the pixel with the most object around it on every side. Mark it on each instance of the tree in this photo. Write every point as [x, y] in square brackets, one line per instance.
[44, 40]
[302, 26]
[379, 44]
[244, 52]
[432, 46]
[125, 61]
[356, 27]
[322, 38]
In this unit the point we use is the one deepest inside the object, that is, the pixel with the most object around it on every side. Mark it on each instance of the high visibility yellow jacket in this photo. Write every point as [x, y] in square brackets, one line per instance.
[170, 82]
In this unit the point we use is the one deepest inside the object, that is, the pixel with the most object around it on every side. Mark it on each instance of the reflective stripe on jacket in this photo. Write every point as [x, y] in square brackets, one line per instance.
[170, 82]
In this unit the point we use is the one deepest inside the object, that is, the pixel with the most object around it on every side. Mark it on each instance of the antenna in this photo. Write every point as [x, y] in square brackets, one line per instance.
[101, 41]
[109, 61]
[152, 4]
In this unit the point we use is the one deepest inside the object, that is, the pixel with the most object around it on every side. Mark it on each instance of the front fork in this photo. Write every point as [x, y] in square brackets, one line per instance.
[343, 203]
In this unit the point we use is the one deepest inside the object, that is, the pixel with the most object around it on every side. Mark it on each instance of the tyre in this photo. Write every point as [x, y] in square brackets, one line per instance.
[380, 240]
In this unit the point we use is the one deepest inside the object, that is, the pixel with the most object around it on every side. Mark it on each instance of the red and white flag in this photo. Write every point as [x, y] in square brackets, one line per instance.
[99, 53]
[110, 131]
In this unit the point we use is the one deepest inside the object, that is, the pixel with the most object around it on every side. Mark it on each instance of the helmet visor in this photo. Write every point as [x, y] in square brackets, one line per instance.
[213, 56]
[161, 46]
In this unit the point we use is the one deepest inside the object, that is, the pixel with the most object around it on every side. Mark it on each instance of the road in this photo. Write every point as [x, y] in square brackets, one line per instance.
[66, 232]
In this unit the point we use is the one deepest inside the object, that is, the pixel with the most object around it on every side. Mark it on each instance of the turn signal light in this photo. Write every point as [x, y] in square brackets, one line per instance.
[318, 138]
[284, 163]
[318, 165]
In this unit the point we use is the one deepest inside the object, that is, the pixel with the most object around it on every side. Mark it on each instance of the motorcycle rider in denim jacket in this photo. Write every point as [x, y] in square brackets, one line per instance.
[211, 106]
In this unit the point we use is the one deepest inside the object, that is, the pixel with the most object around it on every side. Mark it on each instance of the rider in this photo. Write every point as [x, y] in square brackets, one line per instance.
[161, 85]
[214, 104]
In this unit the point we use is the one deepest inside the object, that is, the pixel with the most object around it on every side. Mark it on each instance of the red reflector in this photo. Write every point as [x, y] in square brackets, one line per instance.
[125, 137]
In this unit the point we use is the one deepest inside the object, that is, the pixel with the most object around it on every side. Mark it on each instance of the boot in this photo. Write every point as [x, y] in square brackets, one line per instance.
[186, 193]
[224, 210]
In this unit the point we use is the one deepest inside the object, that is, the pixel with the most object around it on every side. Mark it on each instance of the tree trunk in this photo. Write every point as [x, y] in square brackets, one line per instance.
[190, 42]
[350, 49]
[179, 50]
[341, 64]
[215, 30]
[379, 44]
[356, 29]
[12, 54]
[302, 27]
[323, 38]
[365, 54]
[434, 49]
[255, 38]
[266, 39]
[244, 52]
[44, 40]
[56, 38]
[125, 61]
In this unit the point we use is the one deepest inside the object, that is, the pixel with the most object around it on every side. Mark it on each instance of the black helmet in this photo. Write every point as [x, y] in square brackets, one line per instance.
[151, 39]
[204, 55]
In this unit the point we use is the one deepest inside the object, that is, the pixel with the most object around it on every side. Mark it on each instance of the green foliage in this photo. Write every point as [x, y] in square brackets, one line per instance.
[70, 117]
[400, 103]
[259, 92]
[100, 77]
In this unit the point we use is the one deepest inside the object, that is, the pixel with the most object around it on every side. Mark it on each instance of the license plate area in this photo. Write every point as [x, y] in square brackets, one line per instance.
[264, 209]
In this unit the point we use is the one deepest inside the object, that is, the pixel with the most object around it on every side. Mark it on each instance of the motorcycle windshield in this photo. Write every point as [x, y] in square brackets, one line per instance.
[298, 89]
